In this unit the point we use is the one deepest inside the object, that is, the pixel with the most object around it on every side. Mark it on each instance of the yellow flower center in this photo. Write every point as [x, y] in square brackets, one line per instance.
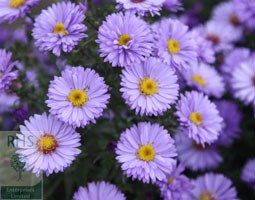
[173, 46]
[196, 118]
[47, 144]
[234, 20]
[78, 97]
[60, 28]
[199, 146]
[146, 153]
[124, 39]
[16, 3]
[171, 179]
[199, 80]
[148, 86]
[206, 196]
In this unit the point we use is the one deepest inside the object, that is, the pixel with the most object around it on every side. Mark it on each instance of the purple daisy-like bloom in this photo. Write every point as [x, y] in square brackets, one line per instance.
[6, 67]
[205, 79]
[99, 191]
[78, 97]
[205, 48]
[232, 121]
[7, 102]
[51, 146]
[199, 117]
[248, 173]
[124, 39]
[232, 60]
[62, 30]
[243, 81]
[149, 87]
[245, 10]
[213, 186]
[174, 44]
[173, 5]
[225, 13]
[176, 185]
[195, 156]
[10, 10]
[222, 40]
[141, 7]
[146, 152]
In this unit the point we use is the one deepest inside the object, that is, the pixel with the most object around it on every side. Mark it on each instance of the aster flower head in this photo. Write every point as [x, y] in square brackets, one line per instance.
[7, 74]
[195, 156]
[199, 117]
[243, 81]
[213, 186]
[176, 185]
[248, 173]
[232, 60]
[173, 5]
[124, 39]
[7, 102]
[205, 79]
[146, 152]
[225, 12]
[10, 10]
[99, 191]
[245, 10]
[174, 44]
[232, 121]
[78, 97]
[52, 146]
[149, 87]
[205, 50]
[62, 30]
[141, 7]
[222, 35]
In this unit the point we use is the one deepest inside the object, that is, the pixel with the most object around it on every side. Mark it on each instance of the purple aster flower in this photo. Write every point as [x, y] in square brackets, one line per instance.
[243, 81]
[4, 36]
[205, 79]
[6, 67]
[232, 121]
[10, 10]
[245, 10]
[191, 16]
[47, 145]
[224, 12]
[248, 173]
[213, 186]
[7, 101]
[78, 97]
[199, 117]
[124, 39]
[205, 48]
[21, 113]
[141, 7]
[222, 35]
[174, 44]
[232, 60]
[176, 185]
[146, 152]
[99, 191]
[149, 87]
[195, 156]
[62, 30]
[173, 5]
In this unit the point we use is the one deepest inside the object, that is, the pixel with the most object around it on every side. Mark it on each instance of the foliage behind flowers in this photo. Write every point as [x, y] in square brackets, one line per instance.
[96, 82]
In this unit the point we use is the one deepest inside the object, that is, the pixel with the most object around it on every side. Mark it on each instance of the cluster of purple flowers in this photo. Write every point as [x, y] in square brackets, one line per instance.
[153, 59]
